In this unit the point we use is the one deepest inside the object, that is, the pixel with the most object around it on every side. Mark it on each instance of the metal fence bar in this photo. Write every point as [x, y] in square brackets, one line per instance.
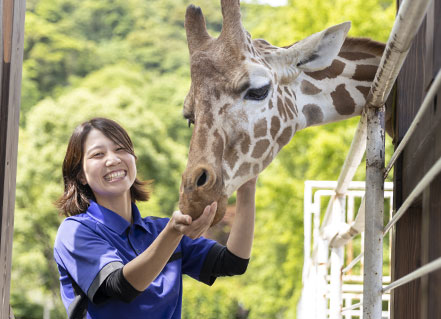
[424, 270]
[353, 263]
[425, 181]
[426, 103]
[352, 307]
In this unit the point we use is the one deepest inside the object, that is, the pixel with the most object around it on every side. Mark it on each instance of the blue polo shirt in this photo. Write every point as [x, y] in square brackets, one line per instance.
[91, 245]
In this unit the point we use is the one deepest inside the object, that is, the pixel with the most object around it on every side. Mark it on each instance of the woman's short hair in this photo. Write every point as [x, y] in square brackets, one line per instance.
[76, 197]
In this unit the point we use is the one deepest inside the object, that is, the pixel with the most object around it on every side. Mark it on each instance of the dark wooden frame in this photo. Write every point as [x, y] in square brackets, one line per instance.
[417, 235]
[12, 30]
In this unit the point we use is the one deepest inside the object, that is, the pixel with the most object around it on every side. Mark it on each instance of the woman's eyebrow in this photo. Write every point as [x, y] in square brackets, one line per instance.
[94, 147]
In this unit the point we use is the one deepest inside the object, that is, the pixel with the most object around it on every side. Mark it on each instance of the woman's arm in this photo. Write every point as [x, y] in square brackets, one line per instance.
[142, 270]
[242, 232]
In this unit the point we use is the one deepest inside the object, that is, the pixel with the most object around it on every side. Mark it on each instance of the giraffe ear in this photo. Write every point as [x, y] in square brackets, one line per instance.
[317, 51]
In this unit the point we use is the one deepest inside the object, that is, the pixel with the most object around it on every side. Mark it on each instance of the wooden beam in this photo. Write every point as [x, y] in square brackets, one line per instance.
[12, 27]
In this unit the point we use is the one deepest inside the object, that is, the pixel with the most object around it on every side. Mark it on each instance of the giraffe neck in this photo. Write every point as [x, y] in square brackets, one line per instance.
[336, 93]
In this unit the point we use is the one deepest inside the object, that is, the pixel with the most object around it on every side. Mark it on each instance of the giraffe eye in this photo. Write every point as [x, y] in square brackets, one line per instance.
[257, 94]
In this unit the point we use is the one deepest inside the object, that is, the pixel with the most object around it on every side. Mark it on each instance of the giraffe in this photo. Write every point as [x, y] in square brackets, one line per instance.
[248, 98]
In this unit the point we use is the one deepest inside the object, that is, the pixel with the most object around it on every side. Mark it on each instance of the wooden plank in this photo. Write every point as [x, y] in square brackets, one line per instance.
[405, 300]
[13, 15]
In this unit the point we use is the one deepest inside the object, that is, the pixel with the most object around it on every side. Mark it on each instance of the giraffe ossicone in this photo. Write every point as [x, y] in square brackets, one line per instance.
[248, 98]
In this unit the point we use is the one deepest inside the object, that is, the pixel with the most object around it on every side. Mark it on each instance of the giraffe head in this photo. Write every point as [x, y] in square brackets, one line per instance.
[244, 102]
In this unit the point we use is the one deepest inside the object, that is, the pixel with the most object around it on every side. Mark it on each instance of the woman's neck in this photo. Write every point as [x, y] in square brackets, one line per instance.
[122, 205]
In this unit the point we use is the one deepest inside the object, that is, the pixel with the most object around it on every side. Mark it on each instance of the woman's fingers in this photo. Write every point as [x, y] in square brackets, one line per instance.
[194, 228]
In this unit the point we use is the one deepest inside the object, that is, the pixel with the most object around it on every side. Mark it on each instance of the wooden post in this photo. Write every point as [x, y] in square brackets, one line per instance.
[12, 27]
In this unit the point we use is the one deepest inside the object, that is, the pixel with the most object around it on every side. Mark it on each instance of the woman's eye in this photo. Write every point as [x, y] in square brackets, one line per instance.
[97, 154]
[257, 94]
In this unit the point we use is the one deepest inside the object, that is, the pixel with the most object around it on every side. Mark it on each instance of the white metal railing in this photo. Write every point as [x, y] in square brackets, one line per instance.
[324, 294]
[327, 288]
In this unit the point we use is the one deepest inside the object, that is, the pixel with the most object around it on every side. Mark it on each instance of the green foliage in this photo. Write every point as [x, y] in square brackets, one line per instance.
[128, 60]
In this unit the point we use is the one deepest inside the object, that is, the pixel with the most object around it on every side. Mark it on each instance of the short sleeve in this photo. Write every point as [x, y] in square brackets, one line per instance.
[194, 253]
[87, 257]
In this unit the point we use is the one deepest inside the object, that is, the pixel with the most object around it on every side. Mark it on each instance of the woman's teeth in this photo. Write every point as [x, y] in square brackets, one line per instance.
[114, 175]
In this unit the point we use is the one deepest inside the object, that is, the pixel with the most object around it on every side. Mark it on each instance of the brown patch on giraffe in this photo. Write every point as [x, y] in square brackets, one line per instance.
[279, 90]
[288, 91]
[223, 108]
[284, 138]
[243, 57]
[364, 90]
[281, 108]
[365, 72]
[208, 119]
[260, 148]
[343, 101]
[355, 56]
[218, 147]
[260, 128]
[271, 104]
[290, 105]
[331, 72]
[243, 170]
[308, 88]
[231, 156]
[313, 114]
[245, 144]
[256, 169]
[267, 160]
[275, 126]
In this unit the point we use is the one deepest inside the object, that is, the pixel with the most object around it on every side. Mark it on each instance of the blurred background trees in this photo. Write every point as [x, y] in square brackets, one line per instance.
[128, 60]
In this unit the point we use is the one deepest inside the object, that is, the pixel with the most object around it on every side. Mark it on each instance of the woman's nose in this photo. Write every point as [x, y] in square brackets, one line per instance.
[112, 159]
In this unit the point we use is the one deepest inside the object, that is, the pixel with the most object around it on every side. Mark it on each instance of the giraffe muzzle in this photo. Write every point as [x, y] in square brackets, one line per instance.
[200, 187]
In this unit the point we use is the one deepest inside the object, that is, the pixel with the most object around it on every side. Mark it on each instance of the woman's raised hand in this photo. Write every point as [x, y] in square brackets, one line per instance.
[193, 228]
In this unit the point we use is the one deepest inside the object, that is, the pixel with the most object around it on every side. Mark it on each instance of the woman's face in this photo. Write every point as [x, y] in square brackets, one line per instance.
[108, 168]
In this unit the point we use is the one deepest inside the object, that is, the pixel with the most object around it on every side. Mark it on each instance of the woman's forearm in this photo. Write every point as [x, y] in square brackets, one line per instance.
[141, 271]
[242, 231]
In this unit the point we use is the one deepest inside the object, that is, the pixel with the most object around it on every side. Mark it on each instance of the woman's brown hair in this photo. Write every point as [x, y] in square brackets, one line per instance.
[76, 197]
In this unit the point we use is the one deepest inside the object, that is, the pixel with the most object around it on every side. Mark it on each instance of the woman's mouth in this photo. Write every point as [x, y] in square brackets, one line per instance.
[116, 175]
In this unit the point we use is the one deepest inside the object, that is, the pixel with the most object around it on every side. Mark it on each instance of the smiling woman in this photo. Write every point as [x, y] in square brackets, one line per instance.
[115, 264]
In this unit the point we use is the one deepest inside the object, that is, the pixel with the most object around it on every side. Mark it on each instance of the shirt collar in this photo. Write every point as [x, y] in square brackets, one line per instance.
[114, 221]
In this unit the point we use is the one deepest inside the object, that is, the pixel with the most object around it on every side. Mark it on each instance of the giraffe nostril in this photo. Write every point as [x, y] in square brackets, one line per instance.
[202, 179]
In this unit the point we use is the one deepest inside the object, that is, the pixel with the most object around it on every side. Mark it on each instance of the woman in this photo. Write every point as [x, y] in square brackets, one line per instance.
[115, 264]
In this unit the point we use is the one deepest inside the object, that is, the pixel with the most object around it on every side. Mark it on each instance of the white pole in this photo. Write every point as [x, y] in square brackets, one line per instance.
[373, 245]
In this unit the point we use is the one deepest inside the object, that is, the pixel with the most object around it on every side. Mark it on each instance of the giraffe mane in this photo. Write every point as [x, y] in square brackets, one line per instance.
[364, 45]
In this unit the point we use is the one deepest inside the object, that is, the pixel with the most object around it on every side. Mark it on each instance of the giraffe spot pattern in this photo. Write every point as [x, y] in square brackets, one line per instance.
[218, 147]
[313, 114]
[243, 170]
[275, 126]
[260, 148]
[256, 169]
[331, 72]
[355, 56]
[281, 109]
[291, 106]
[308, 88]
[364, 90]
[284, 138]
[224, 108]
[267, 160]
[365, 72]
[343, 101]
[245, 144]
[231, 156]
[260, 128]
[271, 104]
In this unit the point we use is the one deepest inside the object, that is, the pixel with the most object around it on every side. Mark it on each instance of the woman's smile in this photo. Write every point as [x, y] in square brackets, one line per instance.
[115, 176]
